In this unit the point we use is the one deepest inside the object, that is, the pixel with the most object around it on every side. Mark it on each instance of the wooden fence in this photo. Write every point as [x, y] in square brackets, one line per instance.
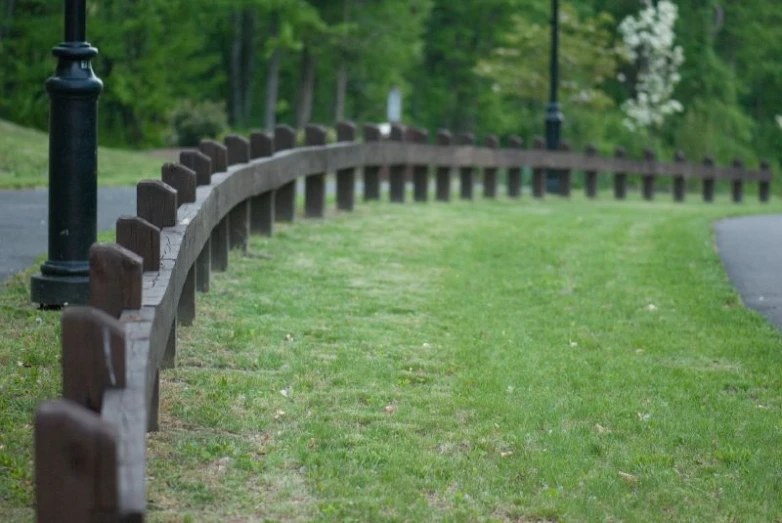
[90, 462]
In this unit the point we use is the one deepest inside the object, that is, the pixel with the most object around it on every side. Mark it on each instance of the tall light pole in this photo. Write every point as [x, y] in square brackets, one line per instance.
[73, 167]
[554, 117]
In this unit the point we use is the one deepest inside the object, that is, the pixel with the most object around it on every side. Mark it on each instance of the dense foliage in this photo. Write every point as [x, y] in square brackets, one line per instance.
[471, 65]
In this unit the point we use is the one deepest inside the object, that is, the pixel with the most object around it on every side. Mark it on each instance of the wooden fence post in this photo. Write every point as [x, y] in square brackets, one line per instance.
[262, 205]
[443, 175]
[115, 279]
[239, 217]
[679, 184]
[648, 178]
[420, 171]
[538, 173]
[565, 175]
[217, 153]
[156, 202]
[141, 237]
[590, 177]
[183, 180]
[93, 355]
[490, 173]
[285, 195]
[737, 184]
[315, 184]
[620, 178]
[346, 178]
[764, 185]
[215, 250]
[708, 180]
[371, 171]
[201, 164]
[76, 465]
[397, 172]
[514, 173]
[466, 173]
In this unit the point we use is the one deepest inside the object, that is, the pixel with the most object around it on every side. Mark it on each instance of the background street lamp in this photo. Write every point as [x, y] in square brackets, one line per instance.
[554, 116]
[73, 167]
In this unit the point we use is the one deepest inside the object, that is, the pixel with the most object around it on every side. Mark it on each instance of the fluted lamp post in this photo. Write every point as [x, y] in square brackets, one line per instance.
[554, 117]
[73, 167]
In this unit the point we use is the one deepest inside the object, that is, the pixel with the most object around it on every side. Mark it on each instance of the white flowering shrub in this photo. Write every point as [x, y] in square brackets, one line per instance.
[649, 44]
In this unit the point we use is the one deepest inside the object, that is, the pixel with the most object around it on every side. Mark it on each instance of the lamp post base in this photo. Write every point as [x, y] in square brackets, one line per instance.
[54, 292]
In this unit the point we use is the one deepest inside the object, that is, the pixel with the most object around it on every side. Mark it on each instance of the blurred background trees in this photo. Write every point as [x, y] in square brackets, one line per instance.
[471, 65]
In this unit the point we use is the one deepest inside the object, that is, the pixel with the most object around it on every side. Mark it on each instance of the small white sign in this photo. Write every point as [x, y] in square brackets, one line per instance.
[395, 105]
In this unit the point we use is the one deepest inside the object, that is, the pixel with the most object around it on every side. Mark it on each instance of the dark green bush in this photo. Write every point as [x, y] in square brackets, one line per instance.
[191, 122]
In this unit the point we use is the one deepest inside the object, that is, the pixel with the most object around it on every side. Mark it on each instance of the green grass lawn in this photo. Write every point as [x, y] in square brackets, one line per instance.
[24, 161]
[493, 361]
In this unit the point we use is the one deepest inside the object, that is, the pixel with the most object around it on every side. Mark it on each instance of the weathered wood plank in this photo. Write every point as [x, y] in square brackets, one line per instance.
[182, 179]
[239, 227]
[444, 138]
[538, 173]
[315, 184]
[141, 237]
[186, 308]
[115, 278]
[397, 173]
[220, 245]
[737, 183]
[620, 177]
[590, 177]
[285, 196]
[514, 171]
[420, 170]
[75, 465]
[262, 205]
[679, 183]
[200, 163]
[346, 178]
[490, 180]
[218, 155]
[648, 179]
[238, 149]
[372, 136]
[156, 202]
[93, 355]
[708, 181]
[466, 172]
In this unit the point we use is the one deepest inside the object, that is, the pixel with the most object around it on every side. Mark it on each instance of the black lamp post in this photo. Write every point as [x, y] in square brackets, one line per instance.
[554, 116]
[73, 167]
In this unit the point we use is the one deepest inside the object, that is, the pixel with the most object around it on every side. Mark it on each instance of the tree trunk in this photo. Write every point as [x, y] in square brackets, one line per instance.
[342, 86]
[306, 87]
[248, 63]
[272, 82]
[236, 69]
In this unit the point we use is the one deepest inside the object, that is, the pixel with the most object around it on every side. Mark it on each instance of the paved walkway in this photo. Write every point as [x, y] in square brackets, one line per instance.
[751, 249]
[24, 225]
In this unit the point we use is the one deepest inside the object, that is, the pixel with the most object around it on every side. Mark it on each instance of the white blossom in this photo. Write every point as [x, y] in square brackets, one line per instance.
[649, 41]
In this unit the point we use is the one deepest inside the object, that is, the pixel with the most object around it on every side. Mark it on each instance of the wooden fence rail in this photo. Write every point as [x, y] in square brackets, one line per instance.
[90, 461]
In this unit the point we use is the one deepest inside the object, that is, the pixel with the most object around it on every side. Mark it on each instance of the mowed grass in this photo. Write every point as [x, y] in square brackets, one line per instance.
[487, 361]
[24, 161]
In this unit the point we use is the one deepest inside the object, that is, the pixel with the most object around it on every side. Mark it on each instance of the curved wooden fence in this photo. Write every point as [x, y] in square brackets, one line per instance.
[90, 462]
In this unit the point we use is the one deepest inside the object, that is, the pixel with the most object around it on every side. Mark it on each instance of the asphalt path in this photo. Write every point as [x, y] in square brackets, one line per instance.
[24, 223]
[751, 250]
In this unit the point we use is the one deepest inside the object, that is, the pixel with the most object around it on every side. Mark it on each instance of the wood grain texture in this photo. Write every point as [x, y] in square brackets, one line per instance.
[93, 355]
[285, 195]
[75, 465]
[156, 202]
[679, 184]
[444, 138]
[140, 237]
[238, 148]
[182, 179]
[346, 178]
[315, 184]
[514, 171]
[490, 180]
[115, 279]
[371, 135]
[538, 173]
[420, 170]
[218, 155]
[261, 145]
[201, 163]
